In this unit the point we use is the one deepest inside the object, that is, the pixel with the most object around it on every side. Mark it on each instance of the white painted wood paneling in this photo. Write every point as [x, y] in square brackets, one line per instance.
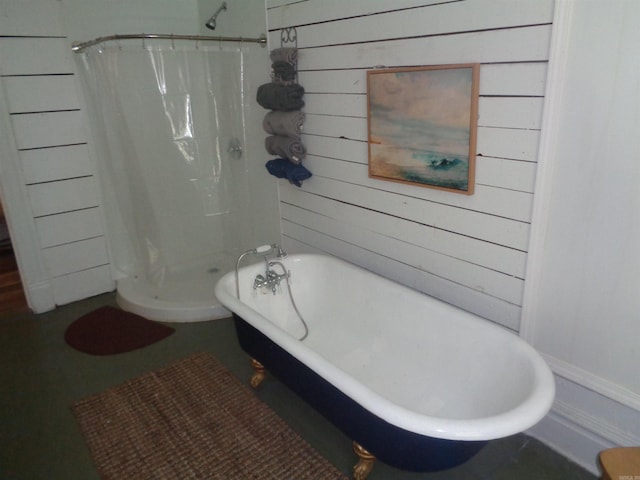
[339, 148]
[37, 130]
[467, 250]
[488, 281]
[501, 202]
[33, 272]
[69, 227]
[510, 79]
[299, 12]
[507, 112]
[581, 298]
[55, 163]
[510, 45]
[63, 196]
[487, 254]
[510, 143]
[76, 256]
[30, 17]
[334, 81]
[336, 104]
[430, 20]
[504, 173]
[513, 143]
[354, 128]
[46, 154]
[510, 112]
[526, 79]
[82, 284]
[35, 56]
[41, 93]
[502, 231]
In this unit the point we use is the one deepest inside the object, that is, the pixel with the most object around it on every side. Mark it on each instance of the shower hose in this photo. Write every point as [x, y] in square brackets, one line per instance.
[261, 250]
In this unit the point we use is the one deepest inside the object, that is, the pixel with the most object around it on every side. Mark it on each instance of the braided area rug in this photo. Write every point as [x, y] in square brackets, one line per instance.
[193, 420]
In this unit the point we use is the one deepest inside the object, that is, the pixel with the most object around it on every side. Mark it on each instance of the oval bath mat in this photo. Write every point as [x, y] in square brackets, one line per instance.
[109, 330]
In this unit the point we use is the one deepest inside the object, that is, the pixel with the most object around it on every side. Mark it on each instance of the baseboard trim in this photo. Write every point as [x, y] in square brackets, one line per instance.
[580, 435]
[40, 296]
[578, 444]
[593, 382]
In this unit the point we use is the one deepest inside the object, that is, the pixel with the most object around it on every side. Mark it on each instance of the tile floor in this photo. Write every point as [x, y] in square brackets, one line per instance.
[40, 377]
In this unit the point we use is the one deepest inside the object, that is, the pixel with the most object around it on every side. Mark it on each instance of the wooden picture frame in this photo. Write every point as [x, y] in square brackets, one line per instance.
[422, 125]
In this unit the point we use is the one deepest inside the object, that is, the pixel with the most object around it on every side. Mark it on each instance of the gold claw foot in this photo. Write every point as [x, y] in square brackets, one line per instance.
[363, 468]
[258, 373]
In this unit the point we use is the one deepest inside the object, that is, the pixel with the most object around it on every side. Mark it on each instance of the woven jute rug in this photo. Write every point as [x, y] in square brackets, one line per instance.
[193, 420]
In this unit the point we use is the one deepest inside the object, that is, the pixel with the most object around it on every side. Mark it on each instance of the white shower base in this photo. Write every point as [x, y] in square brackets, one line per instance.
[185, 295]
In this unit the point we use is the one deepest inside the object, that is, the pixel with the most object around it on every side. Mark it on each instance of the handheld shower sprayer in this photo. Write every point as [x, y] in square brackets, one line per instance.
[267, 249]
[263, 249]
[211, 23]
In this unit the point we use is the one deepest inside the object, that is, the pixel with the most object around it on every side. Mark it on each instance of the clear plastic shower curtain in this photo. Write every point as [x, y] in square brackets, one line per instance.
[162, 117]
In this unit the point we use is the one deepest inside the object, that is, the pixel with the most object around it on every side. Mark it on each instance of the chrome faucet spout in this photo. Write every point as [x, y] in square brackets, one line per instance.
[271, 279]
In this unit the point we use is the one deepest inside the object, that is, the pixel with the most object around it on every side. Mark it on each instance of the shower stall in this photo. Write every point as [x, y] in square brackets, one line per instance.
[181, 196]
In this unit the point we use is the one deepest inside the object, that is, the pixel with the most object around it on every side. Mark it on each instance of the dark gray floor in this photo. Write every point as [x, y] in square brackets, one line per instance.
[40, 377]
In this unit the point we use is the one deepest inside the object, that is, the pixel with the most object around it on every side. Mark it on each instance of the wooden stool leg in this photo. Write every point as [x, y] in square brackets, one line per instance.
[363, 468]
[258, 373]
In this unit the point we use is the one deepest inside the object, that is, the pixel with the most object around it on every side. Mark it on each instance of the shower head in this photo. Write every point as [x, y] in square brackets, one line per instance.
[211, 23]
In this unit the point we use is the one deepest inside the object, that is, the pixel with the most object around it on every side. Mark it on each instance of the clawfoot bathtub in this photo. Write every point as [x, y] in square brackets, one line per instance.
[414, 382]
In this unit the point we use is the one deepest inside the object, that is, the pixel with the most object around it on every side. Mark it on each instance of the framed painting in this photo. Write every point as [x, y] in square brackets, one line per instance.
[422, 125]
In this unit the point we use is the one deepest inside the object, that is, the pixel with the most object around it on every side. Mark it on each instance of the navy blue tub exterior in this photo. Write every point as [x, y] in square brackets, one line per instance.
[388, 443]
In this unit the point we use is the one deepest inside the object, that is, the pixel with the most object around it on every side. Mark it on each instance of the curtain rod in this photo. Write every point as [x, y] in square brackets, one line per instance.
[79, 46]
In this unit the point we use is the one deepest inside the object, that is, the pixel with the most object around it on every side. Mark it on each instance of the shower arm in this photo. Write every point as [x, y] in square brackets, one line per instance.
[211, 23]
[80, 46]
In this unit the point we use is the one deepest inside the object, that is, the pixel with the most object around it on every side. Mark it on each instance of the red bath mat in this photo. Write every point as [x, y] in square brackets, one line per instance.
[109, 330]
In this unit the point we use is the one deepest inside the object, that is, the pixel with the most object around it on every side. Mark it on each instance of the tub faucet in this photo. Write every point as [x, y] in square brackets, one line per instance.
[271, 279]
[265, 251]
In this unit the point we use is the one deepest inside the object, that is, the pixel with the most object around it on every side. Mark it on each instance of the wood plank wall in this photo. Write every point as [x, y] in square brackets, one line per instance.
[48, 125]
[466, 250]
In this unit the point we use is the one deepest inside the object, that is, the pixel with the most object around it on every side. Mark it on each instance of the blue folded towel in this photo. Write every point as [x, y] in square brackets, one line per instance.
[283, 168]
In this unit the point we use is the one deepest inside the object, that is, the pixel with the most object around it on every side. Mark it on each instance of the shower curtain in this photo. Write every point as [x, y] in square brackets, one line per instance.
[163, 116]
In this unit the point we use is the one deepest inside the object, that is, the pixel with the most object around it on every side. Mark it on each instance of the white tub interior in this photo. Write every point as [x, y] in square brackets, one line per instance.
[415, 361]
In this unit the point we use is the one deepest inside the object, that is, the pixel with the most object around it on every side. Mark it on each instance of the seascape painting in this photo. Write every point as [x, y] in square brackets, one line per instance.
[422, 125]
